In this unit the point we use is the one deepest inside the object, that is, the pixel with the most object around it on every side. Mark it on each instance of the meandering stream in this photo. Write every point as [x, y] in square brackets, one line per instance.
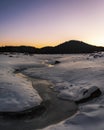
[56, 110]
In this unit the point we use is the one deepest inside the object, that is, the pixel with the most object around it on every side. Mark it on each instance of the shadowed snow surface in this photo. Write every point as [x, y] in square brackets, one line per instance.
[74, 75]
[16, 93]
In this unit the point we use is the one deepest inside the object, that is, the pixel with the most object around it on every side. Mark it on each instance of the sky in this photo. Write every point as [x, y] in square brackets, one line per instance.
[50, 22]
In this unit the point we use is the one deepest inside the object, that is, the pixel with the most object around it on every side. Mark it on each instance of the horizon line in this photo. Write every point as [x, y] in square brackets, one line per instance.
[31, 44]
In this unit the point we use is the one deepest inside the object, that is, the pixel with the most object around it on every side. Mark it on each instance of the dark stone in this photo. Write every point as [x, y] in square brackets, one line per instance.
[17, 70]
[57, 62]
[93, 95]
[10, 56]
[85, 92]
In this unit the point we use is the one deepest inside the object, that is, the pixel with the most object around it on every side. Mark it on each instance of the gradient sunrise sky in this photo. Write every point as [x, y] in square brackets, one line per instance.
[50, 22]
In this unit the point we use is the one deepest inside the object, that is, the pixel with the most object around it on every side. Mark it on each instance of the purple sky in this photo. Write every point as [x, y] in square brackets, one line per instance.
[50, 22]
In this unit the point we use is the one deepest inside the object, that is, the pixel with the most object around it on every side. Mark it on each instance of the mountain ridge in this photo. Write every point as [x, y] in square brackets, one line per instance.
[72, 46]
[68, 47]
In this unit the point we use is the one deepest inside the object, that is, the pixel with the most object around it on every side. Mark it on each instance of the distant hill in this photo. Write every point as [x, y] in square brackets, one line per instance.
[19, 49]
[69, 47]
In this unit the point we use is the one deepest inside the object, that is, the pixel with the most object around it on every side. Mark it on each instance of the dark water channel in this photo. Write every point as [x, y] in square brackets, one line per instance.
[56, 110]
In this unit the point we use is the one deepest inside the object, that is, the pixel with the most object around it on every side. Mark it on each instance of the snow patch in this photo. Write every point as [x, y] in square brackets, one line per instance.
[77, 93]
[16, 93]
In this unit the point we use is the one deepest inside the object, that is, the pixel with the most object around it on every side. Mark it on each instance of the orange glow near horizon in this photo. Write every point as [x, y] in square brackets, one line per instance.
[40, 44]
[37, 45]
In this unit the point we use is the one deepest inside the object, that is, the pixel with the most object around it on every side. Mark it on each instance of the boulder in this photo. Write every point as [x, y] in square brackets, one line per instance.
[92, 93]
[56, 62]
[80, 94]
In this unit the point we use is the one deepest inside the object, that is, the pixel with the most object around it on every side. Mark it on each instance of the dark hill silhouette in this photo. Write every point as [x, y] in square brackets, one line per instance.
[19, 49]
[47, 50]
[69, 47]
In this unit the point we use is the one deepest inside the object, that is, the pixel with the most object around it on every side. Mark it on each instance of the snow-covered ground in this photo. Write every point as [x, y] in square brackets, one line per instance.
[72, 76]
[78, 73]
[16, 93]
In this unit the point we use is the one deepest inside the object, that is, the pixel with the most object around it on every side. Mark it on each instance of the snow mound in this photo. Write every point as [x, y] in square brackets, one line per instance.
[97, 55]
[16, 93]
[80, 94]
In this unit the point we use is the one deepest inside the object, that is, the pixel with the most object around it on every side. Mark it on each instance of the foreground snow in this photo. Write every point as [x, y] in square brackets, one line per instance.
[83, 72]
[73, 76]
[16, 93]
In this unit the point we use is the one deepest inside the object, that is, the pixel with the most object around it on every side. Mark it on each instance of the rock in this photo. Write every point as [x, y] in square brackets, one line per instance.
[94, 92]
[10, 56]
[80, 94]
[56, 62]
